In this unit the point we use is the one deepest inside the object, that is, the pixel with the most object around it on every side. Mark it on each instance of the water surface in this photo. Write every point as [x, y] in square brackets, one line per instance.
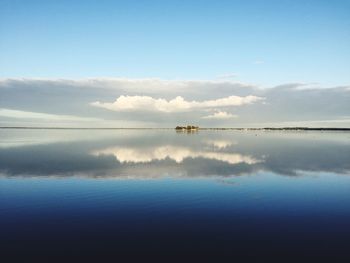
[132, 193]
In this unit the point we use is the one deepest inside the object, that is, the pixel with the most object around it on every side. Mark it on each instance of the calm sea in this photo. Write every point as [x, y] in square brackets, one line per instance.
[150, 194]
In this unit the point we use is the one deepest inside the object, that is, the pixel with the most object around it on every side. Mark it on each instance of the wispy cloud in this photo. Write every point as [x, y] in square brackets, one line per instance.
[227, 76]
[258, 62]
[18, 114]
[220, 115]
[179, 104]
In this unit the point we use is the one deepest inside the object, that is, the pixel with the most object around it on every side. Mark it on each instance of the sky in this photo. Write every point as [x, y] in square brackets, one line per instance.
[161, 63]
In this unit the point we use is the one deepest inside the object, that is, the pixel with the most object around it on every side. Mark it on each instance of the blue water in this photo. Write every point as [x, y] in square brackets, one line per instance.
[256, 196]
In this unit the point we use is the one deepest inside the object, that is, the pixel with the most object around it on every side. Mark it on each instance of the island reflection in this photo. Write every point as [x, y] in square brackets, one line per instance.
[163, 153]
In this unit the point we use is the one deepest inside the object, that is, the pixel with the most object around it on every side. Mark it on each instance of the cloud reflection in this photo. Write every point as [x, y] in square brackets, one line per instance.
[156, 153]
[220, 144]
[178, 154]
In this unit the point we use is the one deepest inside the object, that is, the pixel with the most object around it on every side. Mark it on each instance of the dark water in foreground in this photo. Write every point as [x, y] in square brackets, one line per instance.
[234, 195]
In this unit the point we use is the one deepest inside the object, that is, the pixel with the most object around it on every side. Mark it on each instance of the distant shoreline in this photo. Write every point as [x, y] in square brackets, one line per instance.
[219, 129]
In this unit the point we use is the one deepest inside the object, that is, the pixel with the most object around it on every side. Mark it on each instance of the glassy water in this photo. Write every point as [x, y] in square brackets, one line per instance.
[249, 195]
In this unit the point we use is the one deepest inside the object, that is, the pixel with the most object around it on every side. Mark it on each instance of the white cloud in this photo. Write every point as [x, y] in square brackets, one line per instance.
[179, 104]
[220, 115]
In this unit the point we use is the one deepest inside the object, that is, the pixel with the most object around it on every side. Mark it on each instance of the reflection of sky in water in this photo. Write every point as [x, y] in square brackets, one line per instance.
[178, 154]
[157, 153]
[292, 198]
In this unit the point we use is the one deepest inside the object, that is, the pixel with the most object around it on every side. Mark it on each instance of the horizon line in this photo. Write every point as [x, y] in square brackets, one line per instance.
[173, 128]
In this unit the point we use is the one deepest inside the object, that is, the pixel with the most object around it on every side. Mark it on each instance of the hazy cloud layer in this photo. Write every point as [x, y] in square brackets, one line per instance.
[162, 103]
[18, 114]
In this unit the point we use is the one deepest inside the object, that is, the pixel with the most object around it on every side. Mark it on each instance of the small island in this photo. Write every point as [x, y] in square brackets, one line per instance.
[187, 128]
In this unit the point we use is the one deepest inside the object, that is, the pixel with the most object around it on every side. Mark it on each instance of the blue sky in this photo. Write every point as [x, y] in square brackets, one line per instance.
[262, 42]
[164, 63]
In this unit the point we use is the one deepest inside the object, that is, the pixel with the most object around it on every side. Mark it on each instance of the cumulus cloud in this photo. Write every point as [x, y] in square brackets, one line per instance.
[179, 104]
[220, 115]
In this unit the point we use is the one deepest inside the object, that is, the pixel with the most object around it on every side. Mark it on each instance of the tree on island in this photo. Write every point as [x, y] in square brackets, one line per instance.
[188, 127]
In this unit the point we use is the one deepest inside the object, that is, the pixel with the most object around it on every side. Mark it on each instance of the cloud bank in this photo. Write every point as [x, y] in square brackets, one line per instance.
[122, 102]
[178, 104]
